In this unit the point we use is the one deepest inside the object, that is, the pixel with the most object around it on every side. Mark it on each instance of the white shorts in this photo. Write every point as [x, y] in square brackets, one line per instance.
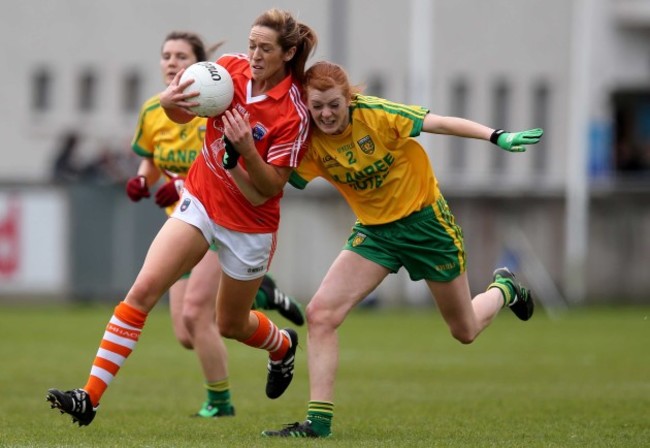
[243, 256]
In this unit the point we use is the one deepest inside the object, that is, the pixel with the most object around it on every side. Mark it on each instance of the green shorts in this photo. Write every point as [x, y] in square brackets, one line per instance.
[428, 243]
[213, 248]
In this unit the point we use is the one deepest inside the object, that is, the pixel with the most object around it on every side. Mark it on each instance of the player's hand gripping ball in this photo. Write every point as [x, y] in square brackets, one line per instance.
[215, 87]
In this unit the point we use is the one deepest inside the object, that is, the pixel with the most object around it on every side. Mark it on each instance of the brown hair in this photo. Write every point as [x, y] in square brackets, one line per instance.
[326, 75]
[198, 47]
[291, 34]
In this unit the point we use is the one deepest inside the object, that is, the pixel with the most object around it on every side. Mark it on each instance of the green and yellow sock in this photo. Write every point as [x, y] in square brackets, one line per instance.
[320, 414]
[506, 288]
[219, 395]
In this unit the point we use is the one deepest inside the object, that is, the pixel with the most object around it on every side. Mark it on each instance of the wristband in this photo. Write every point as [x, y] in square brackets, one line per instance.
[230, 155]
[494, 138]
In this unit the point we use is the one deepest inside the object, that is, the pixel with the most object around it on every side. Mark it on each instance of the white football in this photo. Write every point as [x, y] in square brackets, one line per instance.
[214, 85]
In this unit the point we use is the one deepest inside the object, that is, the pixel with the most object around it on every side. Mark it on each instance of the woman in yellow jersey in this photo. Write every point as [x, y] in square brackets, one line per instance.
[364, 147]
[168, 149]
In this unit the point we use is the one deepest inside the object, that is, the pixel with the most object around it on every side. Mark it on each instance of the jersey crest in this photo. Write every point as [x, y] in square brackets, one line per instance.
[259, 131]
[366, 144]
[359, 238]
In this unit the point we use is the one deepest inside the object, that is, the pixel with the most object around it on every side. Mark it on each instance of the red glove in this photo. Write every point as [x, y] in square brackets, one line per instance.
[136, 188]
[170, 192]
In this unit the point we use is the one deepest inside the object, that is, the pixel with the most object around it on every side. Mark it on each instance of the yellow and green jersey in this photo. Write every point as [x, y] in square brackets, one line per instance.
[173, 147]
[380, 169]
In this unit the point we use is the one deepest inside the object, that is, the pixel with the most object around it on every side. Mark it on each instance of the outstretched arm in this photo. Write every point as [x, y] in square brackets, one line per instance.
[461, 127]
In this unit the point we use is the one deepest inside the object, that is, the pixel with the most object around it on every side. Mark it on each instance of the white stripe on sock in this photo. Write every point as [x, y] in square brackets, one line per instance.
[113, 357]
[102, 374]
[119, 340]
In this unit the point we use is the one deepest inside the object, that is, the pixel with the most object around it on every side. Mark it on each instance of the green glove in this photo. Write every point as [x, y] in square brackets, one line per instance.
[515, 141]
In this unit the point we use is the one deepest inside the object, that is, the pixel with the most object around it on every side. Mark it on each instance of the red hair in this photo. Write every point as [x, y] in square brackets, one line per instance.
[325, 75]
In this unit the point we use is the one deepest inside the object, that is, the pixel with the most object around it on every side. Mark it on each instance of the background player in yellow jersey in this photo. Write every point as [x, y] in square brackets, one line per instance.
[364, 147]
[168, 149]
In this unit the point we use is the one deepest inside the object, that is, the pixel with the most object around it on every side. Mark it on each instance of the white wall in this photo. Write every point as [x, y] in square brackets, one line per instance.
[115, 36]
[523, 42]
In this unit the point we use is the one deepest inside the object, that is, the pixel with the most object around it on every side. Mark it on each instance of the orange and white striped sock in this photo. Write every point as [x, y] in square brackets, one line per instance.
[122, 332]
[268, 337]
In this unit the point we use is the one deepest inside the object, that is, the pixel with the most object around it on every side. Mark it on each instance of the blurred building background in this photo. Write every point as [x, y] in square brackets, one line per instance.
[572, 214]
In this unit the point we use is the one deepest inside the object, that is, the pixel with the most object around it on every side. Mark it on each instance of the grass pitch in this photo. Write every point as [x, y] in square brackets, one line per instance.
[580, 381]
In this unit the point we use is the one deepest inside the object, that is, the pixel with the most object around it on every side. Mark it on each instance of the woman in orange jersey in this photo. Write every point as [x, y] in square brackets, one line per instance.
[168, 149]
[364, 147]
[237, 209]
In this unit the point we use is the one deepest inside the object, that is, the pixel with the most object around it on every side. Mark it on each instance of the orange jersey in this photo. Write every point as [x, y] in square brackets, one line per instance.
[280, 126]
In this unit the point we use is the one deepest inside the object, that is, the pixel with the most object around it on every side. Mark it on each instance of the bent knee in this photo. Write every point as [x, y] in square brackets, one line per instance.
[193, 317]
[323, 316]
[464, 336]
